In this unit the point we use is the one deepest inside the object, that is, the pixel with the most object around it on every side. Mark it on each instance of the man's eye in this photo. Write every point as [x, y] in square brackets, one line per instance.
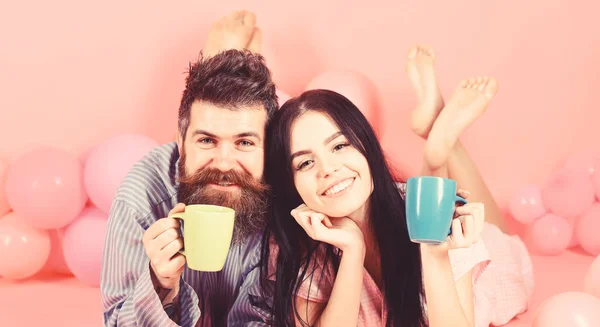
[245, 143]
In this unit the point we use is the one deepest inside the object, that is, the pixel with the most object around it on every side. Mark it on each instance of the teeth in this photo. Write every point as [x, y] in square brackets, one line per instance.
[339, 187]
[225, 184]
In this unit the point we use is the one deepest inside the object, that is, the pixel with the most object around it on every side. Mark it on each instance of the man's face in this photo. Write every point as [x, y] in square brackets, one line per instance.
[221, 162]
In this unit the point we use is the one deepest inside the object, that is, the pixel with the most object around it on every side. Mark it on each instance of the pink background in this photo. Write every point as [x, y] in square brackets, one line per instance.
[75, 73]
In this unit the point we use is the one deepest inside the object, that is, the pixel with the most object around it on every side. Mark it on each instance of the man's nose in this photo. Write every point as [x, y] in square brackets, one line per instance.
[225, 158]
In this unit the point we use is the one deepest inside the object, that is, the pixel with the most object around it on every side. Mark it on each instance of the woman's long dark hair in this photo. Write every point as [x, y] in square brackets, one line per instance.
[400, 258]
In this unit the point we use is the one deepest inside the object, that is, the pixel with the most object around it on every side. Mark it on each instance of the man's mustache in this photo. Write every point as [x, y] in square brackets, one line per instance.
[215, 176]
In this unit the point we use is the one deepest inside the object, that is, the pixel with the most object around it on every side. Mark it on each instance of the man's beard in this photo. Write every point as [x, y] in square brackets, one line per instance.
[250, 203]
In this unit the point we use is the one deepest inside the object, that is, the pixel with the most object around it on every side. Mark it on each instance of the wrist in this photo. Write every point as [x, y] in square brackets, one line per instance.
[355, 251]
[172, 295]
[434, 252]
[166, 294]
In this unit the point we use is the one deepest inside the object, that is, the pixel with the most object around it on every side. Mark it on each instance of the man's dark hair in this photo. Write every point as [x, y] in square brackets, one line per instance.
[231, 79]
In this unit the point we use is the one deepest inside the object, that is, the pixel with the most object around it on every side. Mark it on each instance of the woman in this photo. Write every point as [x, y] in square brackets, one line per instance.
[345, 257]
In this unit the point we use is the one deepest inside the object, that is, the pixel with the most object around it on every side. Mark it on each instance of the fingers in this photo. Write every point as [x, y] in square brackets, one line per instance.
[170, 251]
[327, 222]
[170, 268]
[467, 227]
[463, 193]
[475, 208]
[313, 223]
[300, 208]
[168, 236]
[469, 222]
[303, 219]
[316, 222]
[179, 208]
[457, 233]
[159, 227]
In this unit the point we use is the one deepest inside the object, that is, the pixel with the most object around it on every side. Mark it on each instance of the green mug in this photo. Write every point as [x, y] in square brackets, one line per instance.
[207, 234]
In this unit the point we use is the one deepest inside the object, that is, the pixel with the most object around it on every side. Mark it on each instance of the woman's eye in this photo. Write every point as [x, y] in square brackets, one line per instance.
[304, 164]
[340, 146]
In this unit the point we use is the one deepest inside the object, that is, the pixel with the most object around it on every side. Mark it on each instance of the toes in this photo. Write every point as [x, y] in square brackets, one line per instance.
[426, 50]
[492, 87]
[236, 15]
[413, 52]
[249, 19]
[421, 50]
[429, 51]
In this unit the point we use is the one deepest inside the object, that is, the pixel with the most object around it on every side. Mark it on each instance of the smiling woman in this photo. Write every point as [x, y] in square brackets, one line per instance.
[331, 175]
[340, 221]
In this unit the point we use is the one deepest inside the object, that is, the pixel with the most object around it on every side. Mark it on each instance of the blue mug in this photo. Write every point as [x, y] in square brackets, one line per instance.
[430, 203]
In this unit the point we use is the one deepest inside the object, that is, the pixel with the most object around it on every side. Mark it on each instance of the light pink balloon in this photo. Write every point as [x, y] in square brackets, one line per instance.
[574, 241]
[551, 234]
[109, 162]
[572, 309]
[56, 263]
[83, 244]
[596, 179]
[591, 282]
[568, 193]
[23, 249]
[282, 97]
[4, 207]
[354, 86]
[526, 204]
[583, 161]
[45, 187]
[587, 230]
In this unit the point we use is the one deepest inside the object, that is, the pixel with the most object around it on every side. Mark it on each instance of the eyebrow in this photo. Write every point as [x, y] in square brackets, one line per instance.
[209, 134]
[327, 140]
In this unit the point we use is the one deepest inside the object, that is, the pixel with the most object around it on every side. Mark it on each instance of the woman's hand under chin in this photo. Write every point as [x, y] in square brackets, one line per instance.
[467, 227]
[342, 233]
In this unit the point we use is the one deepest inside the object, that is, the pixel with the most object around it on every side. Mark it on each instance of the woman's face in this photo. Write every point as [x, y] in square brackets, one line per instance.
[331, 176]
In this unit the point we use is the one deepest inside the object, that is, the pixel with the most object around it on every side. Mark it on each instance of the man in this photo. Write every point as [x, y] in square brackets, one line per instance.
[217, 159]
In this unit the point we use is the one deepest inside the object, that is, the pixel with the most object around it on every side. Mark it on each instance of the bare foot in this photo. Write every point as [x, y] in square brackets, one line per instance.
[468, 102]
[233, 31]
[422, 76]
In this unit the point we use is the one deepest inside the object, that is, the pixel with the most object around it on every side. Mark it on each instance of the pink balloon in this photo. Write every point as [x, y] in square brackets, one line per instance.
[574, 241]
[83, 244]
[108, 163]
[587, 230]
[526, 204]
[45, 187]
[354, 86]
[4, 207]
[583, 161]
[56, 263]
[568, 192]
[596, 179]
[592, 279]
[282, 97]
[23, 249]
[573, 309]
[551, 234]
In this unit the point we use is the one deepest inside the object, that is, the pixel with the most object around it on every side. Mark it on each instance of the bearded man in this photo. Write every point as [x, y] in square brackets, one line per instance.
[217, 159]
